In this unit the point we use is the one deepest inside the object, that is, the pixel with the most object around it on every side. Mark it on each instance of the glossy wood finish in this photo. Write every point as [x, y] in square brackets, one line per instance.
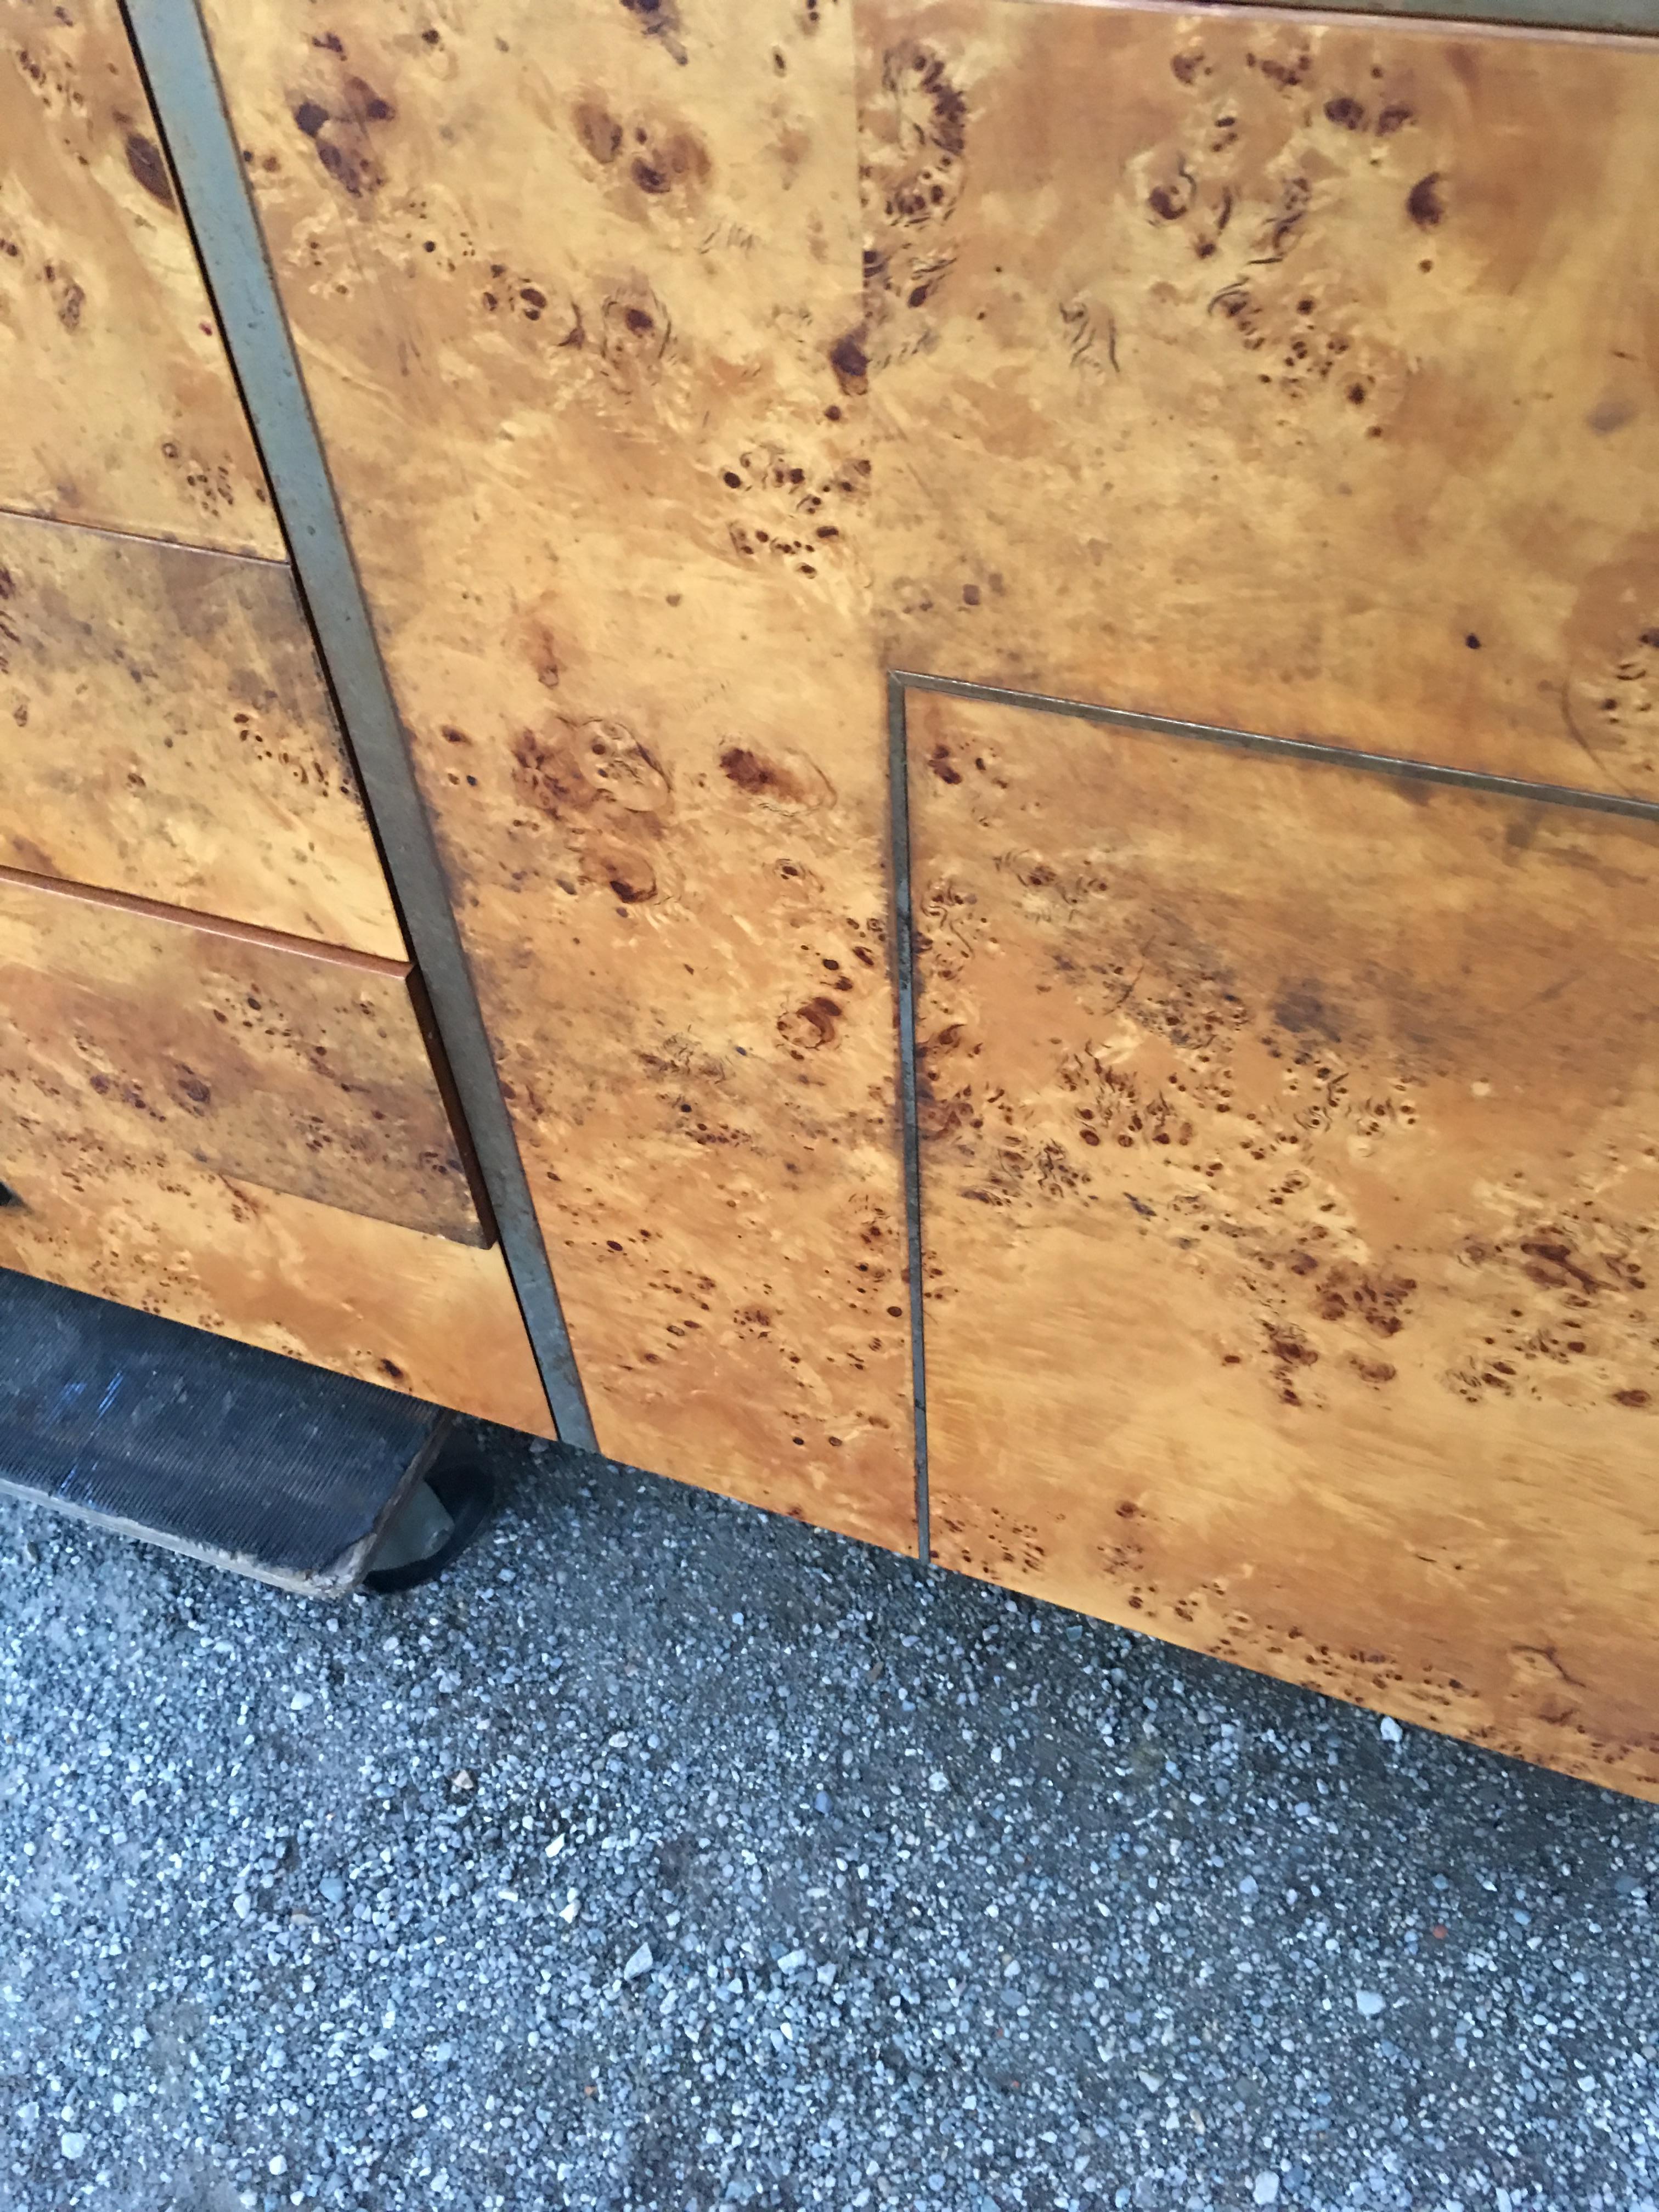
[566, 384]
[1291, 1195]
[167, 735]
[120, 409]
[130, 1035]
[1288, 375]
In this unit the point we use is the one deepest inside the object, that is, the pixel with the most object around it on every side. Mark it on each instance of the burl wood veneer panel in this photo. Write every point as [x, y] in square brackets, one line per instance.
[119, 407]
[300, 1068]
[1289, 1188]
[167, 735]
[1294, 375]
[567, 301]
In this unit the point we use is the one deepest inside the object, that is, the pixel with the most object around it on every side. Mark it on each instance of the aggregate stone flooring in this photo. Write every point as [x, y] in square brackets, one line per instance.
[666, 1855]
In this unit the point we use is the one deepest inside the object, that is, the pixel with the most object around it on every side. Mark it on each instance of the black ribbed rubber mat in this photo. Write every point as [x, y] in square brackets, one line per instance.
[241, 1456]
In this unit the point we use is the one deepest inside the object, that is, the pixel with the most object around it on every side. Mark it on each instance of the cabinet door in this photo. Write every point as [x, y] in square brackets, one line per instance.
[1286, 1184]
[1291, 1215]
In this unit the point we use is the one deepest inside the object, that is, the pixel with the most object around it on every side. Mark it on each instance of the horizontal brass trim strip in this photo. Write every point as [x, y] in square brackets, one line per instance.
[1318, 750]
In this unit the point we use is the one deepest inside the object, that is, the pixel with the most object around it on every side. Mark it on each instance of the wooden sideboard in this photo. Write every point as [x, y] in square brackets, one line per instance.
[1028, 635]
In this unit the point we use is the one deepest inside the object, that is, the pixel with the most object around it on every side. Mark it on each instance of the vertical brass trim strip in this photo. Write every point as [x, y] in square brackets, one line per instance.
[904, 978]
[171, 44]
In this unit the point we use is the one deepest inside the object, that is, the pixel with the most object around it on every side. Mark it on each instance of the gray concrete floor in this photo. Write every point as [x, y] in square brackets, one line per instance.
[666, 1855]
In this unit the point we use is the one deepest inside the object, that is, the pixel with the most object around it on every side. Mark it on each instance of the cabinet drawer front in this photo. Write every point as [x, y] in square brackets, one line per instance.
[167, 735]
[129, 1035]
[364, 1297]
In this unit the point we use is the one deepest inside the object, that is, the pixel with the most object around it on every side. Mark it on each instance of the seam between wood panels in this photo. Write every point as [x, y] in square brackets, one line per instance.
[206, 925]
[146, 538]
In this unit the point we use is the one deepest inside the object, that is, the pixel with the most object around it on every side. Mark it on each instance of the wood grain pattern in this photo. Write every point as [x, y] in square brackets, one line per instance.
[1292, 1203]
[120, 409]
[1292, 375]
[168, 736]
[129, 1036]
[581, 402]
